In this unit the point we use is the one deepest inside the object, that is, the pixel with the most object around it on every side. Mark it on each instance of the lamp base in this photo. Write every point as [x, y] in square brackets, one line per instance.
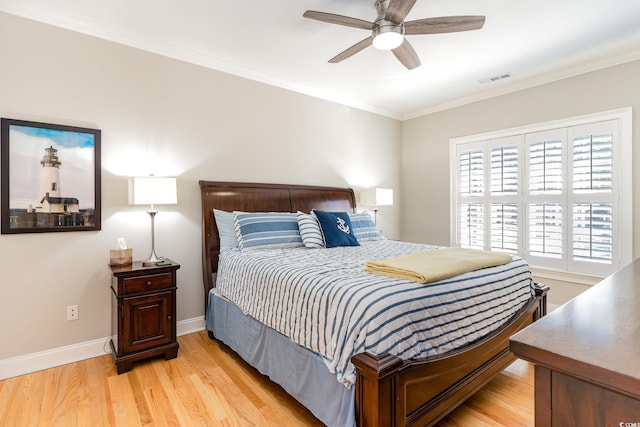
[152, 260]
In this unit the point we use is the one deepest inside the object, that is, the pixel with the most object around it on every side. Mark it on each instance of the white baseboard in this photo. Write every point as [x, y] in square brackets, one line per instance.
[20, 365]
[33, 362]
[190, 326]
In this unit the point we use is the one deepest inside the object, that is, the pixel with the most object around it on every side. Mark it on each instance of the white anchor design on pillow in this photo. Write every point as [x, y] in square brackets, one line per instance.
[342, 226]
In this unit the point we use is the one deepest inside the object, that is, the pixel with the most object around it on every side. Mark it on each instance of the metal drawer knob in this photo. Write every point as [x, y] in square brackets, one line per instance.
[149, 283]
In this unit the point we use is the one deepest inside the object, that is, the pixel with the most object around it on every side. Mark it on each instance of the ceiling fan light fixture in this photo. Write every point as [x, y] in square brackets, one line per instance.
[387, 37]
[390, 27]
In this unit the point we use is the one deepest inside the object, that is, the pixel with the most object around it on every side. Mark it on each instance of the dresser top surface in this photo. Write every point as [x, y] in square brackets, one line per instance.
[596, 333]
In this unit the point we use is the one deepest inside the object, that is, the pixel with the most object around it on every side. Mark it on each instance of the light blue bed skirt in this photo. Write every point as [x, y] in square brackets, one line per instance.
[301, 373]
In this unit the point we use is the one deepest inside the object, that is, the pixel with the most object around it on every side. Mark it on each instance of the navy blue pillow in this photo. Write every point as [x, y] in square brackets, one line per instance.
[336, 229]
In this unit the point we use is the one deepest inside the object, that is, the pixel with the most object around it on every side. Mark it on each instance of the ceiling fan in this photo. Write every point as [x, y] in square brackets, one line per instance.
[389, 29]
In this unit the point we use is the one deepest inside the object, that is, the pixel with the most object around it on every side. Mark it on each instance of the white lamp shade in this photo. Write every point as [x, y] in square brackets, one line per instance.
[151, 190]
[377, 197]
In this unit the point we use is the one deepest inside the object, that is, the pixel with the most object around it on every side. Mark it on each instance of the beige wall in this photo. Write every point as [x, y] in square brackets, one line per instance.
[165, 117]
[425, 146]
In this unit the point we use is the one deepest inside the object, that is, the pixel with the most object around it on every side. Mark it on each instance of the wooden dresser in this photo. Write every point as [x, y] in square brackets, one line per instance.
[587, 356]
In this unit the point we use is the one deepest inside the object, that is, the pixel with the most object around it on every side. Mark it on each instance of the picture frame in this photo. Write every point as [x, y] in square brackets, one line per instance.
[50, 177]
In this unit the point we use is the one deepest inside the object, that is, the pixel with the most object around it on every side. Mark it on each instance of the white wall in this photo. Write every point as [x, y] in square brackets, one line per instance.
[425, 146]
[161, 116]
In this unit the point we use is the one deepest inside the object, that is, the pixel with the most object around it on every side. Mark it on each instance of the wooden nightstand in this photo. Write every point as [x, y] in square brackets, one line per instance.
[143, 313]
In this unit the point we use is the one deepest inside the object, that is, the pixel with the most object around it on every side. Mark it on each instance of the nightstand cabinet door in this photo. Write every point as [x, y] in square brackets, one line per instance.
[147, 321]
[143, 307]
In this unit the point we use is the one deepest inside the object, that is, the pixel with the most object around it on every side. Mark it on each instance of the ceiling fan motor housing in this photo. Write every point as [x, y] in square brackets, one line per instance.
[387, 35]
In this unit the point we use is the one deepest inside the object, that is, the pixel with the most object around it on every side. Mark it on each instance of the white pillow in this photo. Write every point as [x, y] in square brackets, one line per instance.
[226, 230]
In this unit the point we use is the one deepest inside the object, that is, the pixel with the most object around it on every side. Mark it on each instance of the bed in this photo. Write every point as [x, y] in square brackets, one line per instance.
[384, 389]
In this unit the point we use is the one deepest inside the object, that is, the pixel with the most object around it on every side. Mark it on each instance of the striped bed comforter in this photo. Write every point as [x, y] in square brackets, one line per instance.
[323, 300]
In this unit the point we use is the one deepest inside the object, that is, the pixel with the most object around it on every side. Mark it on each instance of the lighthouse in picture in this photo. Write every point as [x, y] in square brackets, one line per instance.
[50, 174]
[51, 200]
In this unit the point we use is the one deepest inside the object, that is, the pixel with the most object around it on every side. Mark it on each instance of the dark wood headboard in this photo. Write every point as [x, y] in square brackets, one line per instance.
[256, 197]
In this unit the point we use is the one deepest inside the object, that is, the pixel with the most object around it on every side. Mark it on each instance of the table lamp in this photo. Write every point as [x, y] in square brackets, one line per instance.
[152, 191]
[375, 197]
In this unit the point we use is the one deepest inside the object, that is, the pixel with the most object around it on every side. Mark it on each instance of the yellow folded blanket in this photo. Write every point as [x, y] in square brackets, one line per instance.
[438, 264]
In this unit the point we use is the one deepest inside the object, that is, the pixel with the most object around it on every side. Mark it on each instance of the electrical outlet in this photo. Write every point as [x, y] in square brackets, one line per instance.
[72, 312]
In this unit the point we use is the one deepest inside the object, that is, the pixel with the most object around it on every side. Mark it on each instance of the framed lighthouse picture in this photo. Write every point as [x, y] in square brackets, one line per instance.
[50, 177]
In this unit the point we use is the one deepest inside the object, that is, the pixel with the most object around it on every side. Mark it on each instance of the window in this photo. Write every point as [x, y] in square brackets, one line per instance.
[552, 193]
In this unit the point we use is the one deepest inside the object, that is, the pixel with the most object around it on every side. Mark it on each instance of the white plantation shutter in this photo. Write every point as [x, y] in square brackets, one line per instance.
[545, 166]
[593, 232]
[504, 197]
[593, 226]
[546, 198]
[504, 170]
[471, 210]
[472, 225]
[552, 194]
[593, 163]
[504, 228]
[471, 173]
[545, 230]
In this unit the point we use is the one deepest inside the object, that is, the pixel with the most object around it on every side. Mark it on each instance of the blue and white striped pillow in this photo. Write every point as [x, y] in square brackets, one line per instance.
[267, 230]
[364, 228]
[310, 230]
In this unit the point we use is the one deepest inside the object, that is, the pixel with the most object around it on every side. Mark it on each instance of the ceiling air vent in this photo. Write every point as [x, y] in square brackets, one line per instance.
[495, 78]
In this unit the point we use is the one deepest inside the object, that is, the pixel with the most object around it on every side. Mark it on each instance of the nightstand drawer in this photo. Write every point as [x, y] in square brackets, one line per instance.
[152, 282]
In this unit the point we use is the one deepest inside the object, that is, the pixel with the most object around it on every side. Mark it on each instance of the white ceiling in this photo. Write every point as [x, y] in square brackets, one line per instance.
[535, 40]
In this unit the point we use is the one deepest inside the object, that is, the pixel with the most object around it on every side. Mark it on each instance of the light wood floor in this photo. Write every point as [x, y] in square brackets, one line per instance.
[208, 385]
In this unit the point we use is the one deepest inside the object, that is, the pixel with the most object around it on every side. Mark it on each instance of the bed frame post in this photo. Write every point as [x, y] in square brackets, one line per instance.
[376, 389]
[541, 291]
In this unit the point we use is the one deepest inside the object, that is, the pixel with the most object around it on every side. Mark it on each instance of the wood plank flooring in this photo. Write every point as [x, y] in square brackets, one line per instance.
[208, 385]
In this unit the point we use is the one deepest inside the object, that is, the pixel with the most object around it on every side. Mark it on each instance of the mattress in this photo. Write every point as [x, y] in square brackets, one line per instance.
[323, 300]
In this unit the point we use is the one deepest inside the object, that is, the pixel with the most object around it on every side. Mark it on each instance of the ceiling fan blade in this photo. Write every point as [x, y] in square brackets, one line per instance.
[398, 10]
[407, 55]
[352, 50]
[444, 24]
[332, 18]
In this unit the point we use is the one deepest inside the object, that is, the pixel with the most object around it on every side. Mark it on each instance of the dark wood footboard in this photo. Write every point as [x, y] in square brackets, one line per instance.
[391, 392]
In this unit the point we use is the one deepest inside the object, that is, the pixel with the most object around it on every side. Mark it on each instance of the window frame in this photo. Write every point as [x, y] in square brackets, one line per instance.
[622, 203]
